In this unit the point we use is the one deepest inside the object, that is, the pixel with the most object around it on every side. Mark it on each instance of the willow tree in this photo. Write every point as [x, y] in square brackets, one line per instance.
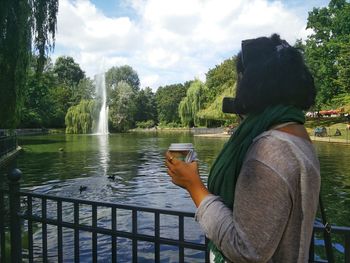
[192, 104]
[214, 110]
[82, 118]
[26, 26]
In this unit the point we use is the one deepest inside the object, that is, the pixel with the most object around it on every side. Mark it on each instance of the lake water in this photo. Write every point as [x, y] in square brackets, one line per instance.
[60, 164]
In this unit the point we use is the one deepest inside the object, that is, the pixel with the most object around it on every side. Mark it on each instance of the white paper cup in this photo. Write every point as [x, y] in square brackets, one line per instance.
[183, 151]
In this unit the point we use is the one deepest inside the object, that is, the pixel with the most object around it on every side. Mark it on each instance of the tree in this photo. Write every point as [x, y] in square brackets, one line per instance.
[124, 73]
[23, 24]
[146, 106]
[225, 73]
[325, 48]
[343, 67]
[192, 104]
[71, 87]
[214, 111]
[69, 75]
[61, 97]
[47, 96]
[38, 107]
[68, 71]
[82, 118]
[85, 90]
[168, 100]
[122, 107]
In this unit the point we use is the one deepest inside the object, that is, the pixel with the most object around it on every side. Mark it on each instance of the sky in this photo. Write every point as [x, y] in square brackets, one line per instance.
[171, 41]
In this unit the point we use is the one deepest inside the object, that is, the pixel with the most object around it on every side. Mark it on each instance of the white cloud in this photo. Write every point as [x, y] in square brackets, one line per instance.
[150, 80]
[169, 41]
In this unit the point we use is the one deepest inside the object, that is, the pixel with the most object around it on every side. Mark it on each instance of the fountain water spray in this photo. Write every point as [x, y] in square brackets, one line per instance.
[102, 127]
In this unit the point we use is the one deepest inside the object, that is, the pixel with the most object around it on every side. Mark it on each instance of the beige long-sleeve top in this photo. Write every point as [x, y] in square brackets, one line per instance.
[275, 203]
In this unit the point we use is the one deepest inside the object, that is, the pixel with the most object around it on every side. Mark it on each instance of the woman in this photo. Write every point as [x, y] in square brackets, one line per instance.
[263, 188]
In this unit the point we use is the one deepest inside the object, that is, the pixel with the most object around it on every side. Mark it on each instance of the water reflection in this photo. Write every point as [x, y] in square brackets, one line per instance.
[103, 150]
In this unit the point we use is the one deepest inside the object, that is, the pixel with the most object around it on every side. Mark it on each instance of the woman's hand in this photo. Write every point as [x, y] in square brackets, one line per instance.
[186, 175]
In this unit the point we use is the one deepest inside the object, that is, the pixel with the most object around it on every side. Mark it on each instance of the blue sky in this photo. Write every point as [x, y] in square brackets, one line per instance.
[171, 41]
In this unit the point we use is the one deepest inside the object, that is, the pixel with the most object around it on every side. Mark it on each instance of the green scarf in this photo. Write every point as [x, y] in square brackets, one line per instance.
[227, 166]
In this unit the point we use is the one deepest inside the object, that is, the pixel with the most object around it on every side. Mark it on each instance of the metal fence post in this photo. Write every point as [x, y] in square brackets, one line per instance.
[2, 221]
[15, 222]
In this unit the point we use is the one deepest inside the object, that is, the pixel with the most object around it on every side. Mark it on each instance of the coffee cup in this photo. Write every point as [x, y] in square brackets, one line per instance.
[183, 151]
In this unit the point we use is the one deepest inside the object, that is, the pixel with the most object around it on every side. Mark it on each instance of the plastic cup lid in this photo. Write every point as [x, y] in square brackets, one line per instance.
[181, 147]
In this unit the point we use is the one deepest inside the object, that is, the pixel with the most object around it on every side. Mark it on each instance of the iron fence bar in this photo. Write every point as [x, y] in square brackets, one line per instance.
[2, 225]
[8, 144]
[59, 232]
[347, 247]
[128, 235]
[94, 234]
[30, 229]
[181, 239]
[335, 229]
[44, 230]
[134, 233]
[114, 238]
[339, 230]
[312, 248]
[157, 235]
[76, 232]
[107, 204]
[15, 223]
[207, 250]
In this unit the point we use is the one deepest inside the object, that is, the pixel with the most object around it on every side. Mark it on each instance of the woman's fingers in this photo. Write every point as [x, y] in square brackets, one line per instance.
[169, 156]
[170, 172]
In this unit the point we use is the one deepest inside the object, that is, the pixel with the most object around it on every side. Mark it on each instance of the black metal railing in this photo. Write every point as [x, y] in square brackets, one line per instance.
[7, 144]
[340, 241]
[39, 217]
[43, 228]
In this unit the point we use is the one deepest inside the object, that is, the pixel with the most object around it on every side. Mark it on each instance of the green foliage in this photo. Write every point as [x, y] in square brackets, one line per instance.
[343, 66]
[68, 72]
[85, 90]
[22, 24]
[214, 111]
[168, 99]
[146, 106]
[122, 107]
[192, 104]
[145, 124]
[124, 73]
[81, 118]
[71, 79]
[38, 106]
[169, 125]
[225, 73]
[69, 88]
[341, 102]
[327, 51]
[60, 97]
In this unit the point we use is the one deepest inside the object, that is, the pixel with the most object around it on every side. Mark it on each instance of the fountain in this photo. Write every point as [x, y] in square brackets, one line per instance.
[102, 127]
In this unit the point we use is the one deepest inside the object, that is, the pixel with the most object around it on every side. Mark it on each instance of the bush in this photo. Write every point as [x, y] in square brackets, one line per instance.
[145, 124]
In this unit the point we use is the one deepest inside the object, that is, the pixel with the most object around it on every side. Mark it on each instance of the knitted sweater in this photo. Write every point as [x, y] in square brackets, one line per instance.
[275, 203]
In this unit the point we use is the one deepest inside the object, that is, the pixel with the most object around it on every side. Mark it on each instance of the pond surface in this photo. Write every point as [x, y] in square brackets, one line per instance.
[60, 164]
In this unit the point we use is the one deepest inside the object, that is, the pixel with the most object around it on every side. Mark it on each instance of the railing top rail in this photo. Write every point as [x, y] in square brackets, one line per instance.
[317, 227]
[335, 229]
[108, 204]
